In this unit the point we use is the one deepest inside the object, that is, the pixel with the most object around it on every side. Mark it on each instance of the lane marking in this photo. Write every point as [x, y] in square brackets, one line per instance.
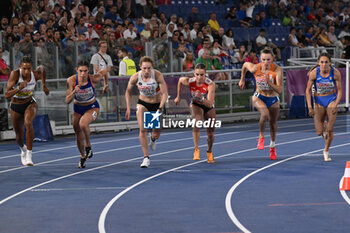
[306, 204]
[76, 189]
[102, 219]
[234, 187]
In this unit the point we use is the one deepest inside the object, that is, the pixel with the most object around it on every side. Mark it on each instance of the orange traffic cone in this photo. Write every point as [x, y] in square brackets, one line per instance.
[346, 177]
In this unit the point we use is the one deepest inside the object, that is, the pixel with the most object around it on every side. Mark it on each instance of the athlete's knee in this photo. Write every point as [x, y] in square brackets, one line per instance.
[156, 134]
[143, 131]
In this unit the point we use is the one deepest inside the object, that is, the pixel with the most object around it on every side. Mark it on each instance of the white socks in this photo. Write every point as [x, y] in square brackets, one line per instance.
[29, 158]
[23, 155]
[326, 156]
[272, 144]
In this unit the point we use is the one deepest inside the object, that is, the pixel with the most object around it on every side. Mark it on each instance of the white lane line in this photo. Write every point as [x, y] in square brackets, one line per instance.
[342, 192]
[94, 143]
[102, 219]
[130, 138]
[229, 194]
[76, 189]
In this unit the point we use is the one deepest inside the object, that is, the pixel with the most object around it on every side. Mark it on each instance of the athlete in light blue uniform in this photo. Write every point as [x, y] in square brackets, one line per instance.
[324, 78]
[81, 88]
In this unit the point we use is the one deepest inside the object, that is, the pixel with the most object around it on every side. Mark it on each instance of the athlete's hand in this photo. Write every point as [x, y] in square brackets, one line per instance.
[241, 84]
[23, 85]
[127, 114]
[46, 90]
[311, 112]
[76, 88]
[177, 100]
[105, 89]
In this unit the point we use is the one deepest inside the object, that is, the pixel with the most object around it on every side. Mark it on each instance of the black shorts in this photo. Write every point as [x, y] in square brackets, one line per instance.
[21, 108]
[205, 108]
[148, 106]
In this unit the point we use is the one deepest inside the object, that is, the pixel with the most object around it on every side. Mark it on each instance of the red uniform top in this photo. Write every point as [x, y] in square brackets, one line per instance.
[203, 89]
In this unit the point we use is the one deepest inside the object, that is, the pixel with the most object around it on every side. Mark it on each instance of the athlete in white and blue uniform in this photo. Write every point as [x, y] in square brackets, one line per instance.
[324, 78]
[23, 107]
[153, 94]
[81, 88]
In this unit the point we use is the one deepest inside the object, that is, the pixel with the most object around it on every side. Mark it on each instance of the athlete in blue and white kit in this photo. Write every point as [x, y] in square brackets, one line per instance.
[324, 78]
[153, 94]
[81, 88]
[23, 106]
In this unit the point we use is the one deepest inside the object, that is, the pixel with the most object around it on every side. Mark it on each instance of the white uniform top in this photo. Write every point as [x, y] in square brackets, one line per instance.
[29, 89]
[150, 88]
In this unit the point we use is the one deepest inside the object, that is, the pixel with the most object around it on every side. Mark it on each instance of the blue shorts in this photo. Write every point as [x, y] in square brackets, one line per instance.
[267, 100]
[325, 100]
[81, 109]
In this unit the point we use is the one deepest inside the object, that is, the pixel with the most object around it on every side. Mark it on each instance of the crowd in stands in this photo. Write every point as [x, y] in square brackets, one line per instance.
[196, 37]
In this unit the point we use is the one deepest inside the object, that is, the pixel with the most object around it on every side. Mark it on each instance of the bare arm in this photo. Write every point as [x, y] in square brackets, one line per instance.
[183, 81]
[312, 77]
[71, 90]
[247, 66]
[163, 88]
[211, 96]
[278, 86]
[131, 84]
[337, 78]
[40, 73]
[10, 88]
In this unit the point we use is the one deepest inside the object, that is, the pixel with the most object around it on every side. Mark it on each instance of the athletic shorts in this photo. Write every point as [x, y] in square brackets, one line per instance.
[148, 106]
[21, 108]
[325, 100]
[267, 100]
[81, 109]
[202, 106]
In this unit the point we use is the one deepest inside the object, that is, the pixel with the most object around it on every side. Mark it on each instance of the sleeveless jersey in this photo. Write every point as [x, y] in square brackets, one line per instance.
[324, 85]
[86, 93]
[261, 78]
[150, 88]
[203, 89]
[29, 89]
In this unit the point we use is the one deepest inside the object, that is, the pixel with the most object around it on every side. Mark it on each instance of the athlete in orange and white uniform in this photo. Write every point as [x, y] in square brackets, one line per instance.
[268, 78]
[202, 106]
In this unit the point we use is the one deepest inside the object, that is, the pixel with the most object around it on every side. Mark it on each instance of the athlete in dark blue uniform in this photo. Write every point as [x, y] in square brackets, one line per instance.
[324, 78]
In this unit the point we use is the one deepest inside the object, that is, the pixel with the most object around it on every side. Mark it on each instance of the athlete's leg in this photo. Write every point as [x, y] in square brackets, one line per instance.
[143, 132]
[273, 116]
[85, 121]
[210, 135]
[197, 114]
[29, 116]
[319, 117]
[331, 116]
[18, 126]
[78, 133]
[264, 114]
[210, 131]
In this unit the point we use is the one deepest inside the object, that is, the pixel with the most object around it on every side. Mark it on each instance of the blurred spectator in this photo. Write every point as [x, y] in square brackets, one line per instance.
[101, 60]
[188, 63]
[126, 66]
[344, 32]
[49, 35]
[187, 32]
[129, 45]
[301, 37]
[146, 32]
[228, 40]
[149, 9]
[194, 17]
[139, 50]
[323, 39]
[231, 15]
[42, 20]
[257, 21]
[213, 23]
[15, 33]
[206, 45]
[118, 33]
[4, 69]
[333, 38]
[170, 30]
[252, 58]
[81, 28]
[242, 15]
[91, 34]
[346, 51]
[112, 14]
[205, 59]
[273, 10]
[163, 19]
[292, 38]
[240, 55]
[261, 42]
[139, 25]
[173, 21]
[194, 31]
[130, 32]
[207, 33]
